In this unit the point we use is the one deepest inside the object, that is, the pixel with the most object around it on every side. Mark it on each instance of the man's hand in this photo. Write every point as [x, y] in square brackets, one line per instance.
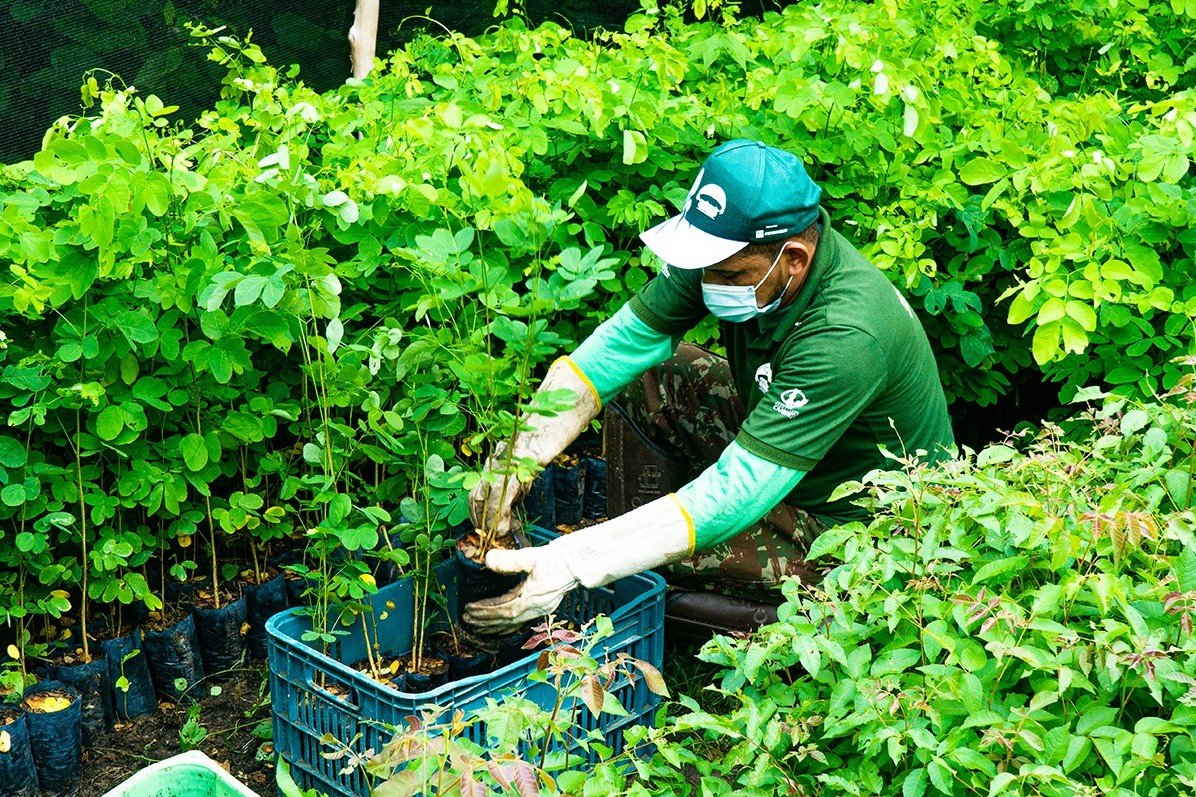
[540, 439]
[490, 504]
[655, 534]
[548, 582]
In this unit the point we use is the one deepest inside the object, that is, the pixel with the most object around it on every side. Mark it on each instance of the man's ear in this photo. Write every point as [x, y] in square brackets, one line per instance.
[797, 257]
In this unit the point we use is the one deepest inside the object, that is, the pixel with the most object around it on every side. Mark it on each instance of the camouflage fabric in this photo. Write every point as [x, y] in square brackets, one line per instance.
[688, 406]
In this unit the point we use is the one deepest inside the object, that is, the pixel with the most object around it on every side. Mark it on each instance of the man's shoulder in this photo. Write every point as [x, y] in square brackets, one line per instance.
[840, 344]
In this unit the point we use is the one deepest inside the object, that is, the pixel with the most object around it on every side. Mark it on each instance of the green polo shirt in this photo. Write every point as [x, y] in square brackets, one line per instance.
[827, 380]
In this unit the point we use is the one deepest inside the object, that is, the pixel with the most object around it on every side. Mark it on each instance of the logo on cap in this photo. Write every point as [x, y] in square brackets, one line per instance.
[712, 200]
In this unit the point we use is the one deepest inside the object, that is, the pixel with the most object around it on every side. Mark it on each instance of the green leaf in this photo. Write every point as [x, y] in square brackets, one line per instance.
[12, 453]
[635, 147]
[941, 775]
[1046, 343]
[914, 784]
[195, 452]
[1000, 567]
[13, 495]
[137, 327]
[1000, 784]
[895, 661]
[828, 542]
[995, 455]
[981, 170]
[248, 290]
[1184, 566]
[110, 422]
[335, 334]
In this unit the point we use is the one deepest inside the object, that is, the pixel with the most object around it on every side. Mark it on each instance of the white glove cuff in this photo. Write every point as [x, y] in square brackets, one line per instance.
[655, 534]
[548, 436]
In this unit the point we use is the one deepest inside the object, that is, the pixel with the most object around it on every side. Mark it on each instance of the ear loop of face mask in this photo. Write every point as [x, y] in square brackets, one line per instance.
[777, 301]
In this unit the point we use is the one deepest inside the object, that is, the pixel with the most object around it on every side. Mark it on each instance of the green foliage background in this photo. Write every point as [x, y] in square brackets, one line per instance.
[47, 45]
[307, 309]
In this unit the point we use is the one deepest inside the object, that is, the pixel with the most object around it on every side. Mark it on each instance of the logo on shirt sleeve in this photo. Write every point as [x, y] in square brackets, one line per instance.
[764, 377]
[791, 401]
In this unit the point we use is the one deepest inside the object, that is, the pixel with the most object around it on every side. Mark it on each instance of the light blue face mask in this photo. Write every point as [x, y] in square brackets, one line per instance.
[737, 303]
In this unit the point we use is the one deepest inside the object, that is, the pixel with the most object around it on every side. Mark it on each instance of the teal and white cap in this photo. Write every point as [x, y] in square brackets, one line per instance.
[747, 192]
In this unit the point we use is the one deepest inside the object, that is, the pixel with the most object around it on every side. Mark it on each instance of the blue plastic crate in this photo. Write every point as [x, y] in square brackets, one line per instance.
[313, 694]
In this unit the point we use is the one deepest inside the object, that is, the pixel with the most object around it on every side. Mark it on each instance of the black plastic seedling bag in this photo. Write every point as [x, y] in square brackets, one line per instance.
[221, 643]
[569, 485]
[173, 653]
[18, 774]
[127, 660]
[595, 490]
[56, 739]
[91, 679]
[539, 505]
[263, 601]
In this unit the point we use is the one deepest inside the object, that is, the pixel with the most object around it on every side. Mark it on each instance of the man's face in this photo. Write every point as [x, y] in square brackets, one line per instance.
[792, 259]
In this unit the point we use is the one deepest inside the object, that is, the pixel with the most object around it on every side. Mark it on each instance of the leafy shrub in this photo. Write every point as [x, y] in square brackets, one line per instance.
[1019, 621]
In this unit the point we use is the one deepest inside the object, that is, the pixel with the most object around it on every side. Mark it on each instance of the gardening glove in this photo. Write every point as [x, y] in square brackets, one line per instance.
[543, 438]
[656, 534]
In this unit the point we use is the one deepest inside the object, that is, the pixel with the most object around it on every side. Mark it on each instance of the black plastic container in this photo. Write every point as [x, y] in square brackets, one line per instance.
[18, 774]
[179, 593]
[221, 643]
[173, 653]
[509, 647]
[595, 491]
[417, 682]
[263, 601]
[476, 582]
[295, 583]
[91, 680]
[459, 666]
[569, 486]
[56, 740]
[539, 505]
[126, 659]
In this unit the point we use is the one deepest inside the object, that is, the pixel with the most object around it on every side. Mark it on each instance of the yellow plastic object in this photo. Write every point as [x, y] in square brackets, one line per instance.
[190, 774]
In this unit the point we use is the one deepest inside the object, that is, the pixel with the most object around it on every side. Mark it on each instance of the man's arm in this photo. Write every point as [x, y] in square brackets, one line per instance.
[619, 350]
[725, 499]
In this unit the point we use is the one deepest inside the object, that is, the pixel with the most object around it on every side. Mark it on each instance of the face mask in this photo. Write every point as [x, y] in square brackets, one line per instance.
[737, 303]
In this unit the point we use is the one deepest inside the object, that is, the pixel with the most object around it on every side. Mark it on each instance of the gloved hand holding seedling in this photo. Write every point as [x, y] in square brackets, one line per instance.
[541, 435]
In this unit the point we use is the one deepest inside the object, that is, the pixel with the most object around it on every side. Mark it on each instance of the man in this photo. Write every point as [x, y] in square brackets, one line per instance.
[827, 364]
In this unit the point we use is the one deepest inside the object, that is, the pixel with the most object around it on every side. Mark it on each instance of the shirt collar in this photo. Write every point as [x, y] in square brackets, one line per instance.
[775, 326]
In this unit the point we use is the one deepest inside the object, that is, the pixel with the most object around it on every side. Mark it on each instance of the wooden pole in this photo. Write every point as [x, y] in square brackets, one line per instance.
[363, 37]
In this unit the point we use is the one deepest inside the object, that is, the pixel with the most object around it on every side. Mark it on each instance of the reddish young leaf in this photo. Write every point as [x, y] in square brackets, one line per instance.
[525, 779]
[652, 677]
[592, 694]
[471, 786]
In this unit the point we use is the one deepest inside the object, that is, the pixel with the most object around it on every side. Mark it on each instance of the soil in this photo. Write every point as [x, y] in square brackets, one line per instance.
[565, 528]
[168, 616]
[428, 665]
[204, 599]
[392, 667]
[47, 702]
[74, 655]
[470, 545]
[263, 575]
[457, 645]
[230, 719]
